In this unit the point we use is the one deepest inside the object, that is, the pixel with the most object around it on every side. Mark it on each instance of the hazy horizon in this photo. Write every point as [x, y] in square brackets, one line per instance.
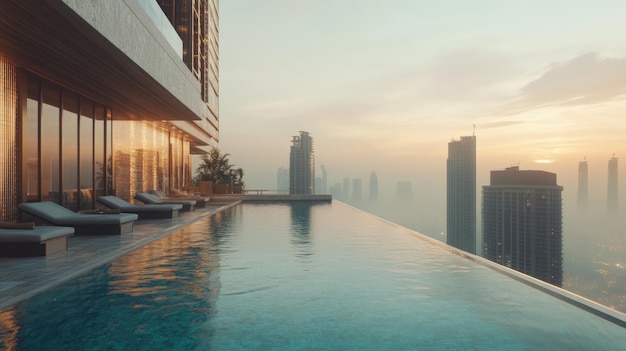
[384, 87]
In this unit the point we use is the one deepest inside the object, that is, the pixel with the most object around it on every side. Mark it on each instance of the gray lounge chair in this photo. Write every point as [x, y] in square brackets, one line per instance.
[175, 195]
[21, 241]
[150, 199]
[82, 223]
[143, 211]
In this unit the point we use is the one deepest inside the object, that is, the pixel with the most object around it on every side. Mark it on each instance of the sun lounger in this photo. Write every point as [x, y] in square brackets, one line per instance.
[82, 223]
[176, 195]
[26, 239]
[150, 199]
[144, 211]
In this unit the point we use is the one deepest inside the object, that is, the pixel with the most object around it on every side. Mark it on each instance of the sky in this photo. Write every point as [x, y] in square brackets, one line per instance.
[384, 85]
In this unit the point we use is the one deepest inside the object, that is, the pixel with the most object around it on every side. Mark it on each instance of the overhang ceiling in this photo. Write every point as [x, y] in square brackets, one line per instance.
[49, 39]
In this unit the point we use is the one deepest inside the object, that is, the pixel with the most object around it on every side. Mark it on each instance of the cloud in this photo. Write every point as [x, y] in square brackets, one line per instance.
[584, 80]
[491, 125]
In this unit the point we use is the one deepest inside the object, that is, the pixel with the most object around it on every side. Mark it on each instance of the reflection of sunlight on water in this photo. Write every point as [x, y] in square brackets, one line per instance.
[157, 267]
[8, 330]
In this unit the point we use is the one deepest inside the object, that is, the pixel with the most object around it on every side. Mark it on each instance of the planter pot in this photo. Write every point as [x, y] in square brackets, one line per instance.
[205, 187]
[221, 188]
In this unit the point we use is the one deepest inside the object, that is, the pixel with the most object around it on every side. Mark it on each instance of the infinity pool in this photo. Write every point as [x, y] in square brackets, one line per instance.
[298, 276]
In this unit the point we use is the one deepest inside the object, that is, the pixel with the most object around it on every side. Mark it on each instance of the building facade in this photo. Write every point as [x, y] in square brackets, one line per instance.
[91, 104]
[522, 223]
[461, 194]
[302, 165]
[373, 195]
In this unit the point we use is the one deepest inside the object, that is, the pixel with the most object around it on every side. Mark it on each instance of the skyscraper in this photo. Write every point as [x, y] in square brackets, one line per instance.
[404, 190]
[357, 190]
[612, 201]
[373, 187]
[522, 223]
[302, 165]
[346, 189]
[461, 194]
[583, 183]
[324, 187]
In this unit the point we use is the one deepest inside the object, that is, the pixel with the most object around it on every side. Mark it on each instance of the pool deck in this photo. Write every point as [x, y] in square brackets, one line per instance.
[24, 277]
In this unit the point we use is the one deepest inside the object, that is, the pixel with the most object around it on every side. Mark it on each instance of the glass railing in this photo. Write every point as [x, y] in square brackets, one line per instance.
[153, 10]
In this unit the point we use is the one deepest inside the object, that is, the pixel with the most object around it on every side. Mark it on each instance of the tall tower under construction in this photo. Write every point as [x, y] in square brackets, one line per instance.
[302, 165]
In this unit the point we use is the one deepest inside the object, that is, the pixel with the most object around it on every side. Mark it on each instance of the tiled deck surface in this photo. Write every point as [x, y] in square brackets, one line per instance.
[23, 277]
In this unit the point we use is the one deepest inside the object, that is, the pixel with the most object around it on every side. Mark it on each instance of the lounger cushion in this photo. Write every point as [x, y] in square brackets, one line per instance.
[59, 215]
[116, 202]
[37, 235]
[153, 199]
[102, 211]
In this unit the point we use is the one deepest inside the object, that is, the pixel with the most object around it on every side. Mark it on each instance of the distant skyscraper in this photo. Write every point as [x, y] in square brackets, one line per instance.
[522, 223]
[357, 190]
[404, 190]
[282, 180]
[612, 188]
[373, 187]
[583, 183]
[324, 187]
[346, 189]
[461, 194]
[302, 165]
[335, 191]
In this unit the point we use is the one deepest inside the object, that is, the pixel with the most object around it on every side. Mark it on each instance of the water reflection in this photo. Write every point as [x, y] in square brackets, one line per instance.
[138, 301]
[301, 228]
[8, 330]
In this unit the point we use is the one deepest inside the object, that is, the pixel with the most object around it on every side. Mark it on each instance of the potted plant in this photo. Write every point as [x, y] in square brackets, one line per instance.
[216, 172]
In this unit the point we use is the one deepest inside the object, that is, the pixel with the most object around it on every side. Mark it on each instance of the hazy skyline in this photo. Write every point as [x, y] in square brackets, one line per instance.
[384, 86]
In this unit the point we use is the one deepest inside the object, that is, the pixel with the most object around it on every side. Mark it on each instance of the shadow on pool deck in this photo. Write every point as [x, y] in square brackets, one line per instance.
[24, 277]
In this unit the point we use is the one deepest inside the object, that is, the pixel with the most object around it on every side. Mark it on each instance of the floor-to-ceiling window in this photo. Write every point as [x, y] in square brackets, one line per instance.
[67, 146]
[50, 171]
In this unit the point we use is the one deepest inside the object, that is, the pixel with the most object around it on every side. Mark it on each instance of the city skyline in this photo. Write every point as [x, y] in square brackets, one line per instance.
[383, 87]
[423, 89]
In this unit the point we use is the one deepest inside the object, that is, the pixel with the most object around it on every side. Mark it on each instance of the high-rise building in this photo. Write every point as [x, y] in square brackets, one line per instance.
[282, 180]
[324, 182]
[522, 222]
[612, 200]
[404, 190]
[346, 189]
[357, 190]
[583, 183]
[373, 187]
[104, 98]
[461, 194]
[302, 165]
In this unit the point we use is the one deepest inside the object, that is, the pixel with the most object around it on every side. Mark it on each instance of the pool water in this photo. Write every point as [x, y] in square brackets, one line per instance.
[298, 276]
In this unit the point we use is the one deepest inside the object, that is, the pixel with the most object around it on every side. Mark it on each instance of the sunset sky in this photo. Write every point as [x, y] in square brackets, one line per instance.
[385, 85]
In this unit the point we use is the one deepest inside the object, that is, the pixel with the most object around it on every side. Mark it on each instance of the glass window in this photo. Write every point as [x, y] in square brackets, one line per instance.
[50, 116]
[86, 154]
[31, 141]
[69, 147]
[99, 155]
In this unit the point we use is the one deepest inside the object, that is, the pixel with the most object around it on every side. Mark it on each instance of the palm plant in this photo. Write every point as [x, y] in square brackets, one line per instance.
[216, 167]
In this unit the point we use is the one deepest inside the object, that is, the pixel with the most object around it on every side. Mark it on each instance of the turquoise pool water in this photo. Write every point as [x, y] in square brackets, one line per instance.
[298, 277]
